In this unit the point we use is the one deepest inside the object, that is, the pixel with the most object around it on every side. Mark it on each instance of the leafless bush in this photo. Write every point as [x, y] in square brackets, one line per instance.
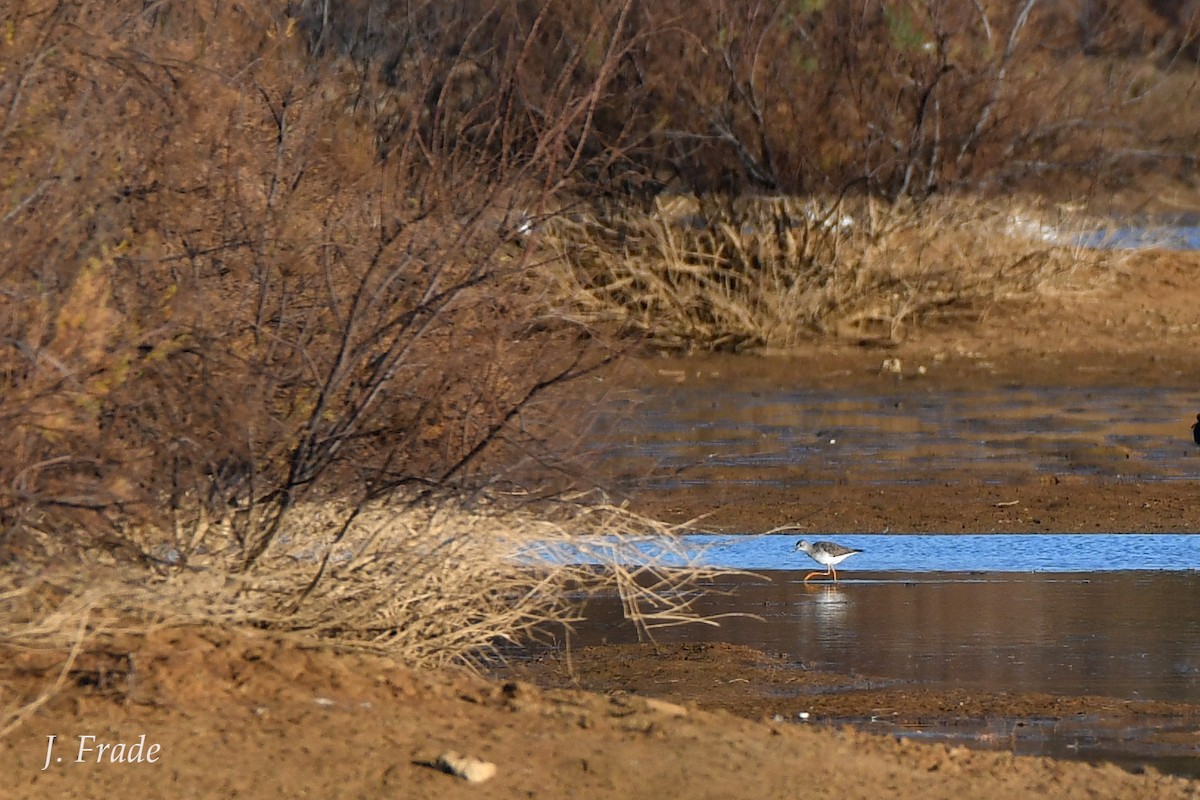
[228, 292]
[897, 99]
[772, 272]
[268, 349]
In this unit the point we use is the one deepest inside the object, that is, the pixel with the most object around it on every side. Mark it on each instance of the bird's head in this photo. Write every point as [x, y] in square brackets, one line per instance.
[801, 545]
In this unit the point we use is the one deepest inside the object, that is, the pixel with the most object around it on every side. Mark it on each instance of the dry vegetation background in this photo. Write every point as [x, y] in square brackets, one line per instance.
[259, 257]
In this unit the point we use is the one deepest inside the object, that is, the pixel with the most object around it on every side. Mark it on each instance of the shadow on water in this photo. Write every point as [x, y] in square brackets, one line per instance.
[696, 434]
[1130, 634]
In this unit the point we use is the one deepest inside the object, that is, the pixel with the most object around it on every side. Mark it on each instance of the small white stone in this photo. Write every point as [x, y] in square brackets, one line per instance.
[466, 767]
[663, 707]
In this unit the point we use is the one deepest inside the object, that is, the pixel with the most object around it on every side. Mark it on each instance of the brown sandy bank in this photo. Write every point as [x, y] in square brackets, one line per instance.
[244, 715]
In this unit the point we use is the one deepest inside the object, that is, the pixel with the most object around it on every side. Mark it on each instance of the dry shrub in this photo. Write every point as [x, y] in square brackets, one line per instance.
[45, 625]
[250, 258]
[771, 272]
[429, 584]
[252, 308]
[893, 98]
[444, 583]
[226, 288]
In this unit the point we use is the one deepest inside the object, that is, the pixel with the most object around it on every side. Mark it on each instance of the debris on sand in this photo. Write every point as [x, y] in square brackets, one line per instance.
[467, 767]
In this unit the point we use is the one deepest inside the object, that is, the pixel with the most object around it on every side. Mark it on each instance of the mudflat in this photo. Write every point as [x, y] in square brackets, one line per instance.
[1138, 328]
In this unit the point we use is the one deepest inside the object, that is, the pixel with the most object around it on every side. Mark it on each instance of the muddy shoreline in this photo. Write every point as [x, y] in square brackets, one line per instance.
[999, 498]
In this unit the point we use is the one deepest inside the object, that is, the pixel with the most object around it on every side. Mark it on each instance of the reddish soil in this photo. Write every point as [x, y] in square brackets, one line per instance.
[247, 714]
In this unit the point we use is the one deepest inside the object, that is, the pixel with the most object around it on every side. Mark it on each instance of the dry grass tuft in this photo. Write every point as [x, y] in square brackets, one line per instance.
[49, 624]
[429, 584]
[736, 274]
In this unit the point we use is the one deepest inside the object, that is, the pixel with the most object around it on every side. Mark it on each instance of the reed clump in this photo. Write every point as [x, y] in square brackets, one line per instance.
[430, 584]
[773, 272]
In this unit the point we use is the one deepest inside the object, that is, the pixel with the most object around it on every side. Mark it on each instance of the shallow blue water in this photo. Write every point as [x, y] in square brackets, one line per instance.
[1163, 237]
[965, 553]
[890, 553]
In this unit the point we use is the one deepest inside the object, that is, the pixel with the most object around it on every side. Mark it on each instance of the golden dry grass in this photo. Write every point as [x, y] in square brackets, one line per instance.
[430, 584]
[735, 274]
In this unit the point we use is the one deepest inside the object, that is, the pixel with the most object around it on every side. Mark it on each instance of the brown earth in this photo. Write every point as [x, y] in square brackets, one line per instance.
[257, 715]
[758, 685]
[238, 714]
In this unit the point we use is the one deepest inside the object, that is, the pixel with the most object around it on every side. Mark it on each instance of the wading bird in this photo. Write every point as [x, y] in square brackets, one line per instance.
[826, 553]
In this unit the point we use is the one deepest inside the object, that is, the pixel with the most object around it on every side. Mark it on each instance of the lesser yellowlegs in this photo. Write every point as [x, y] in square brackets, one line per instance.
[827, 553]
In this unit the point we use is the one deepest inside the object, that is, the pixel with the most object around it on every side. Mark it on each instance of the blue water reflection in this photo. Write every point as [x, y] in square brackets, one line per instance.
[1162, 237]
[891, 553]
[965, 552]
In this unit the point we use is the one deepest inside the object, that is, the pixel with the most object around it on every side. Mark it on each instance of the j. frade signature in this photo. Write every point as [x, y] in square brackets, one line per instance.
[91, 750]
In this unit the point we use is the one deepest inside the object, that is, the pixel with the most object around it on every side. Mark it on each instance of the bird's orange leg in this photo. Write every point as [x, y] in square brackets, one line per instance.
[834, 571]
[809, 575]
